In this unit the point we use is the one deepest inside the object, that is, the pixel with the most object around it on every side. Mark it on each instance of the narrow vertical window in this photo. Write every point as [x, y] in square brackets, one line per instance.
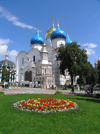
[34, 58]
[23, 60]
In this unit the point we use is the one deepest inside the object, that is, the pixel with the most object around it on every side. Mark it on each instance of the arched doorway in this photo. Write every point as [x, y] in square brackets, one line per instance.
[28, 76]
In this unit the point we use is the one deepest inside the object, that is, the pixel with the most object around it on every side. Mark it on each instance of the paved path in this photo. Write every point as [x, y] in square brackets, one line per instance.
[24, 90]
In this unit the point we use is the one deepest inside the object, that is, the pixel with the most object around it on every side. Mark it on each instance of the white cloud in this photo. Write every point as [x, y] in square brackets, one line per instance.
[90, 45]
[12, 55]
[89, 48]
[3, 46]
[7, 15]
[90, 51]
[3, 49]
[4, 41]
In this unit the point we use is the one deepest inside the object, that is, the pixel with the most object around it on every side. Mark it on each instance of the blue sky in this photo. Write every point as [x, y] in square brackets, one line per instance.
[19, 18]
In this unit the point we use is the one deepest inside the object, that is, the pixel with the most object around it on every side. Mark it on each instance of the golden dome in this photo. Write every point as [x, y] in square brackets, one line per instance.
[96, 63]
[49, 31]
[98, 60]
[6, 55]
[44, 45]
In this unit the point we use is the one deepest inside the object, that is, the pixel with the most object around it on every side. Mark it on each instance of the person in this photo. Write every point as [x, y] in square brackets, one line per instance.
[65, 86]
[72, 91]
[41, 86]
[55, 87]
[91, 88]
[86, 88]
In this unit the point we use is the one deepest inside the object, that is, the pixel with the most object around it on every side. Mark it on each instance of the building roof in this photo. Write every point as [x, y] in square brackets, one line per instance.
[7, 63]
[58, 33]
[37, 39]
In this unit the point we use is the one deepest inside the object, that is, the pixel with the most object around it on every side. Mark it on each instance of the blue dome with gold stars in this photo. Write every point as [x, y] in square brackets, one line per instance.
[58, 33]
[68, 40]
[37, 39]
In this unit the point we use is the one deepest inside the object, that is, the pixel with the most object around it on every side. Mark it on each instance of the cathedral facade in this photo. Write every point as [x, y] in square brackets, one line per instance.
[39, 65]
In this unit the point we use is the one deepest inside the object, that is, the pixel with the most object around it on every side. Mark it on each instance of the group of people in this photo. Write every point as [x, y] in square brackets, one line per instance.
[5, 85]
[89, 89]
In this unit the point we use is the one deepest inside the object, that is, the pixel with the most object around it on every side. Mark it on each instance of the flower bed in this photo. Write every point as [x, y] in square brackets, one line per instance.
[45, 105]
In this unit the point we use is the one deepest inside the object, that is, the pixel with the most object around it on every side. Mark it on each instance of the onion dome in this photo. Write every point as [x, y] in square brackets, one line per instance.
[37, 39]
[98, 60]
[68, 40]
[49, 31]
[58, 33]
[6, 55]
[96, 63]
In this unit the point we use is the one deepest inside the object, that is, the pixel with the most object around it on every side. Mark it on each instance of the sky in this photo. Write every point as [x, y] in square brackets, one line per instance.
[19, 20]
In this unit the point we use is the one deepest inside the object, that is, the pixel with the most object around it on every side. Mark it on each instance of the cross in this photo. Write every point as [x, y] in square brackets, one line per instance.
[37, 27]
[58, 21]
[67, 31]
[53, 19]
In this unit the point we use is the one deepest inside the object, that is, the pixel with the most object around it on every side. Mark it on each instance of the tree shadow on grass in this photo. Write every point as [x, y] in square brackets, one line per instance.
[91, 99]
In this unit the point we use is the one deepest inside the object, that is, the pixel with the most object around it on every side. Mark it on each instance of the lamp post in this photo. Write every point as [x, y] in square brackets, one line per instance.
[10, 82]
[0, 76]
[13, 77]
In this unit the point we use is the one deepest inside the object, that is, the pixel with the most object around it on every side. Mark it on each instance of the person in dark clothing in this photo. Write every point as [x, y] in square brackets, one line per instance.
[72, 91]
[91, 88]
[65, 86]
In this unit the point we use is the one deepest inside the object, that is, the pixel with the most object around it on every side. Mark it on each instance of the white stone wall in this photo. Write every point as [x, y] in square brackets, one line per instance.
[37, 46]
[48, 41]
[19, 64]
[57, 42]
[34, 52]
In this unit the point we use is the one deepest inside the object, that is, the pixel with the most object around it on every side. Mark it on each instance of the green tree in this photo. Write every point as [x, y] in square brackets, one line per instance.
[5, 75]
[98, 71]
[88, 75]
[73, 58]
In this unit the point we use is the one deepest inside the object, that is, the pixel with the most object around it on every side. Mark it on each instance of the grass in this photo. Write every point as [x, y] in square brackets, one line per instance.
[84, 120]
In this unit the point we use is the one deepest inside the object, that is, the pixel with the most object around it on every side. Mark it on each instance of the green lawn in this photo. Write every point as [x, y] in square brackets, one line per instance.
[84, 120]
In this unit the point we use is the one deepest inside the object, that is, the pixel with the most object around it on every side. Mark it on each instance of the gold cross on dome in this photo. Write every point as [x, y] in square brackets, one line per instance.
[67, 31]
[58, 21]
[38, 27]
[53, 19]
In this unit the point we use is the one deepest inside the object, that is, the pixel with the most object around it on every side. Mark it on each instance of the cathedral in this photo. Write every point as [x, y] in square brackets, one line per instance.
[39, 66]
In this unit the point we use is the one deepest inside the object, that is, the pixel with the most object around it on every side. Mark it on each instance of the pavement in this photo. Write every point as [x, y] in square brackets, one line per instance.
[28, 90]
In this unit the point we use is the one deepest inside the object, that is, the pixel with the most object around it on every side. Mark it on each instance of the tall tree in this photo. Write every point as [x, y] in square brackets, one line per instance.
[73, 58]
[98, 71]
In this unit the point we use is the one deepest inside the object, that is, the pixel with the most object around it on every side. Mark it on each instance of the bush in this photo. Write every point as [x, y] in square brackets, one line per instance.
[97, 95]
[2, 93]
[58, 93]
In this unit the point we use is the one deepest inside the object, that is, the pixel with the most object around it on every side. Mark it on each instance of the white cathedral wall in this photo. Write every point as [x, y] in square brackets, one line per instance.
[57, 42]
[34, 52]
[37, 46]
[19, 64]
[48, 41]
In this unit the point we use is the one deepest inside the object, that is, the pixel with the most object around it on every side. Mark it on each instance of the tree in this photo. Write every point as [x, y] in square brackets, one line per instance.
[74, 59]
[88, 75]
[98, 71]
[5, 75]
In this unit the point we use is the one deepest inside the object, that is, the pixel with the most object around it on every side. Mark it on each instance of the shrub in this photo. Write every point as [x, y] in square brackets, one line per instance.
[58, 93]
[97, 95]
[2, 93]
